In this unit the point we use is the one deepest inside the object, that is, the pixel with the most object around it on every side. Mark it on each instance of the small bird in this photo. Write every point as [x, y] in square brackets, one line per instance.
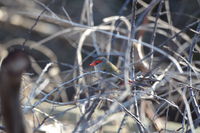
[102, 64]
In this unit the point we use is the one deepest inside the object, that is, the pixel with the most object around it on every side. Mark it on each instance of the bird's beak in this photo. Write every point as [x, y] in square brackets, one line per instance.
[94, 63]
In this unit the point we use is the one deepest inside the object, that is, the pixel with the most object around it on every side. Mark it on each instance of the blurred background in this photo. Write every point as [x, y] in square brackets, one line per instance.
[63, 37]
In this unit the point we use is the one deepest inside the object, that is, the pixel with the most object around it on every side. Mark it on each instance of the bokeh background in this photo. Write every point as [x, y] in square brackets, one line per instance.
[51, 32]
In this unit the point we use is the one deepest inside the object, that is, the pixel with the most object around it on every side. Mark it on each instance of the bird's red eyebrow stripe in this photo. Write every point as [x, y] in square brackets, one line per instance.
[94, 63]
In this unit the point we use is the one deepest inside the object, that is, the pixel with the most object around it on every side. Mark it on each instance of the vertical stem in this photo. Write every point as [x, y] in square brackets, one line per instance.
[10, 79]
[154, 32]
